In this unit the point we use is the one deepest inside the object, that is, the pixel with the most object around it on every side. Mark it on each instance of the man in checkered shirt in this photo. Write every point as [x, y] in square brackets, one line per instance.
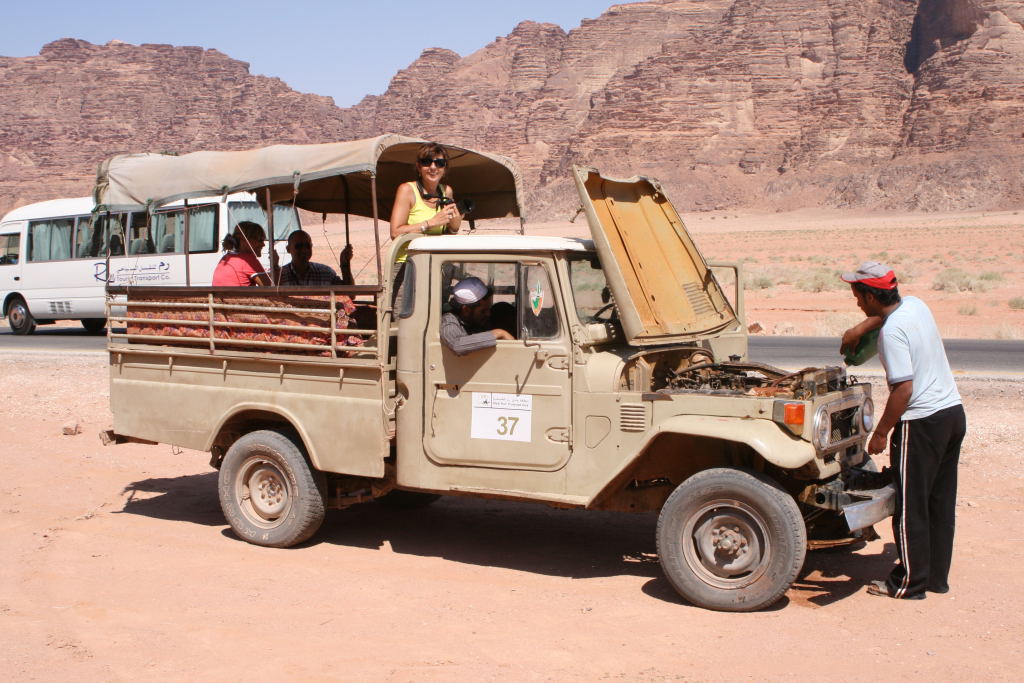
[302, 272]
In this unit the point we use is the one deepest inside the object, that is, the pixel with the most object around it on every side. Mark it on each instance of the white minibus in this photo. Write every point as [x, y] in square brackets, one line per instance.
[53, 254]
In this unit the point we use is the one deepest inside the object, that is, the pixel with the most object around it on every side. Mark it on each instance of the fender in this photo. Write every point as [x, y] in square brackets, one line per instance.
[274, 410]
[765, 437]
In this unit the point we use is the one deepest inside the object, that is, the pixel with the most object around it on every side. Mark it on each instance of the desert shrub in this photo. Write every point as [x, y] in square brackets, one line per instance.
[1008, 331]
[1017, 303]
[991, 276]
[956, 280]
[820, 280]
[759, 281]
[967, 310]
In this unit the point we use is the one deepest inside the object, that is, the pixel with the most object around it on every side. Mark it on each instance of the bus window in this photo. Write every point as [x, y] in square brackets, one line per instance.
[50, 240]
[202, 229]
[112, 232]
[286, 219]
[169, 230]
[9, 250]
[138, 229]
[89, 242]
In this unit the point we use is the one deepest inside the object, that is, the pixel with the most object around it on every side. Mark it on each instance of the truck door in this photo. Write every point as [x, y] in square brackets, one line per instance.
[509, 406]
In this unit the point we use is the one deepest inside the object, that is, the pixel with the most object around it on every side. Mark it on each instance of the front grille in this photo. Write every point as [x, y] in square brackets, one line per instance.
[632, 417]
[844, 425]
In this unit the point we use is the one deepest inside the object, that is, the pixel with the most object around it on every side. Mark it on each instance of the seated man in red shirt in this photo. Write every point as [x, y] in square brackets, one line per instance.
[240, 266]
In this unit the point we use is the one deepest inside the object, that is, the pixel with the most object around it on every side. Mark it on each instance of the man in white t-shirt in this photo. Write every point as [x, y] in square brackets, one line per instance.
[925, 409]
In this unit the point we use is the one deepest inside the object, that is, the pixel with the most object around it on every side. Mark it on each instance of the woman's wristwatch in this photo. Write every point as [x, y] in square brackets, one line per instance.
[425, 227]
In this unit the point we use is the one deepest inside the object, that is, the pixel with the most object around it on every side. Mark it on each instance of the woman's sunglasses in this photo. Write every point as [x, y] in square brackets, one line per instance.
[440, 162]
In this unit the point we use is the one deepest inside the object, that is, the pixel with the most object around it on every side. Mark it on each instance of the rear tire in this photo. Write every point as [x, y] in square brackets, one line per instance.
[19, 317]
[268, 492]
[94, 325]
[731, 540]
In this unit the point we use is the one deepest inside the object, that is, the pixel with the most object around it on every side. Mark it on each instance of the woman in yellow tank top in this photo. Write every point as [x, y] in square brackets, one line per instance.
[415, 209]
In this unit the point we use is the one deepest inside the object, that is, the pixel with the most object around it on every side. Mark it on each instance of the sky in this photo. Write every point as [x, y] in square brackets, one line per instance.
[341, 48]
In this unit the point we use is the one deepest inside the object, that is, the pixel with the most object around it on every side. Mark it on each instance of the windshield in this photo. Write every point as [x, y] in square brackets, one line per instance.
[286, 218]
[590, 288]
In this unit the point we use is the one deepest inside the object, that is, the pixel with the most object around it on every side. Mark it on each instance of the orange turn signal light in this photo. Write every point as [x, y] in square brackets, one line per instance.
[793, 414]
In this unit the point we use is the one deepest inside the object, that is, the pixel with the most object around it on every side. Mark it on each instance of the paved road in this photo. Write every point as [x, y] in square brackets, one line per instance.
[971, 356]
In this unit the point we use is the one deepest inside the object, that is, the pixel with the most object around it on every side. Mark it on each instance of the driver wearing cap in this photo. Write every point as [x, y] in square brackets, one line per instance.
[465, 328]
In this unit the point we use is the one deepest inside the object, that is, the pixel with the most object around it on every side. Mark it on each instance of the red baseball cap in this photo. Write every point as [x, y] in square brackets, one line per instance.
[872, 274]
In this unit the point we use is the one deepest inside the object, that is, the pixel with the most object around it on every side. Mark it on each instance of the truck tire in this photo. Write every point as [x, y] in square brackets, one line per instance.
[268, 492]
[731, 540]
[94, 325]
[19, 317]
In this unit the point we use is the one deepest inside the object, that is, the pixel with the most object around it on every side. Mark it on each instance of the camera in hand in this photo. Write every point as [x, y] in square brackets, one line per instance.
[463, 206]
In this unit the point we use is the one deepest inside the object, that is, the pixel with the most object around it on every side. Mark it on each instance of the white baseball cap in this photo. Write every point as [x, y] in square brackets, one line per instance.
[469, 291]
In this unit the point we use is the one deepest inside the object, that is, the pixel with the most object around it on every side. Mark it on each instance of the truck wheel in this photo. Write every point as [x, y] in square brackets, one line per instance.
[268, 493]
[731, 540]
[94, 325]
[19, 317]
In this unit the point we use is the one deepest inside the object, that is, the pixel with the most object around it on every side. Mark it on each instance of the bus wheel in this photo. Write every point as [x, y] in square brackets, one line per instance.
[19, 318]
[94, 325]
[268, 491]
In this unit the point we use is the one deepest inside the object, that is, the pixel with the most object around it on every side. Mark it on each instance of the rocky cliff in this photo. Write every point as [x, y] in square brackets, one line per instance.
[733, 103]
[76, 103]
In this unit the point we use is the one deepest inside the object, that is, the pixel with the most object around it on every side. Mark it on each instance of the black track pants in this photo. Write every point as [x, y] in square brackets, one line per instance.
[924, 454]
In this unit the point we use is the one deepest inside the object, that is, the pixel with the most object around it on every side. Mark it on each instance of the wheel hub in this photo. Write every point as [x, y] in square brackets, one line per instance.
[267, 492]
[728, 539]
[726, 544]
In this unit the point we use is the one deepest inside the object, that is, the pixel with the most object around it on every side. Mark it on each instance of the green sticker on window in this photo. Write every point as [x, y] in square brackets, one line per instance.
[537, 298]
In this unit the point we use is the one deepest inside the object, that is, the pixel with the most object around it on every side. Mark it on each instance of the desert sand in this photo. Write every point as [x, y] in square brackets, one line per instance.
[119, 565]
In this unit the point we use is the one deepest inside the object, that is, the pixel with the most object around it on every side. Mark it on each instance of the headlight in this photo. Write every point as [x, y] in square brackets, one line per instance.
[822, 428]
[867, 415]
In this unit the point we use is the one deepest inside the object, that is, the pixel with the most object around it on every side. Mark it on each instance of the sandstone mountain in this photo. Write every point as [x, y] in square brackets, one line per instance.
[887, 104]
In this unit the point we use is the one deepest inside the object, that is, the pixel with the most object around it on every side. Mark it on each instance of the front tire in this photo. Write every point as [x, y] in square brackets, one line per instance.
[268, 492]
[731, 540]
[19, 317]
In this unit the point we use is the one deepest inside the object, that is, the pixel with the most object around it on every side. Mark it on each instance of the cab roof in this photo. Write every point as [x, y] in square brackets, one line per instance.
[475, 243]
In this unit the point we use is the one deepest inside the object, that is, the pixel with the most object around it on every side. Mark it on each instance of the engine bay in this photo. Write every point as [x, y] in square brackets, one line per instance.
[692, 371]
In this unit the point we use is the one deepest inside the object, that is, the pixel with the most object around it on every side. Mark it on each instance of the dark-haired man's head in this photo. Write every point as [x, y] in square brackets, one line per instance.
[300, 247]
[875, 287]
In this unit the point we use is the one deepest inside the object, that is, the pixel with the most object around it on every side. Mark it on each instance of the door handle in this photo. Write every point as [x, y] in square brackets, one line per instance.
[540, 355]
[17, 277]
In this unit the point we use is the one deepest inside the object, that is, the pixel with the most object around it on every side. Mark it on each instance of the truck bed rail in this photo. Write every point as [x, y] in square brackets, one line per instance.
[312, 322]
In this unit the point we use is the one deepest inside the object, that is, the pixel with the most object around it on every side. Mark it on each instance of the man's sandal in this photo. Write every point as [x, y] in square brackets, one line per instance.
[880, 588]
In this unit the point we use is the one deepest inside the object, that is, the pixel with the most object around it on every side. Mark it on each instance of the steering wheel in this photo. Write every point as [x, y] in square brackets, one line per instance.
[610, 306]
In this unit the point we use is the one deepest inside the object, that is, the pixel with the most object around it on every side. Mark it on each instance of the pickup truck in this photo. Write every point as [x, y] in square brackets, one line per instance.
[626, 386]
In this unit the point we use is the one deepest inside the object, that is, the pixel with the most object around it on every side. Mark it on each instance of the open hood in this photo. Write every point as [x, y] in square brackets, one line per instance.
[662, 286]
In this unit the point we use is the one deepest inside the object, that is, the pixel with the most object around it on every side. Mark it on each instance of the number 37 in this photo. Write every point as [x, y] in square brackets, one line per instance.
[507, 425]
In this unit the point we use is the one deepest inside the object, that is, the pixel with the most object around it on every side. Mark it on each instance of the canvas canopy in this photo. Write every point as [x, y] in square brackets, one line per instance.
[335, 177]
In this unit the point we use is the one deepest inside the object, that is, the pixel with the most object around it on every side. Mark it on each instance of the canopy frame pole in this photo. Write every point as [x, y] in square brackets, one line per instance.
[270, 237]
[348, 208]
[188, 260]
[376, 229]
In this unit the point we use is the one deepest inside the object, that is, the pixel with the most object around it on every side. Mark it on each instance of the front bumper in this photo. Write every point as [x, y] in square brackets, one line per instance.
[868, 507]
[861, 497]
